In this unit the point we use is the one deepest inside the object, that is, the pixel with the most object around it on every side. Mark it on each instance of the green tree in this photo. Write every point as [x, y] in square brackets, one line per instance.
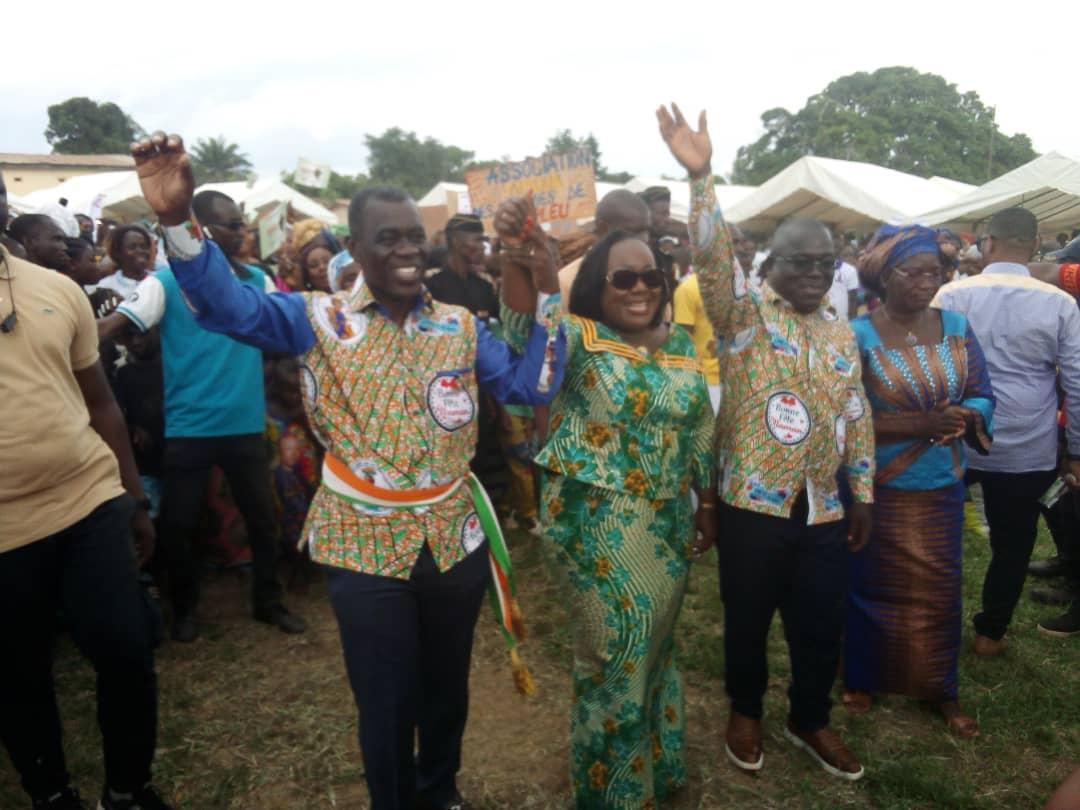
[400, 158]
[896, 117]
[82, 126]
[215, 160]
[340, 187]
[564, 141]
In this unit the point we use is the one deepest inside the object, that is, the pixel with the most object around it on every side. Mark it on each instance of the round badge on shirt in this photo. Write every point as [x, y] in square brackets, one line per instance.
[787, 418]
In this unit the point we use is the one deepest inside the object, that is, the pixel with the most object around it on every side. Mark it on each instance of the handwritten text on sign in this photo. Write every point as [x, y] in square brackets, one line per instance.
[563, 186]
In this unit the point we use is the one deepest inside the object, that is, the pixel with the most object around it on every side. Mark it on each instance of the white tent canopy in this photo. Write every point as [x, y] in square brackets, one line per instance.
[109, 194]
[118, 195]
[726, 195]
[842, 193]
[254, 197]
[1048, 186]
[19, 205]
[439, 194]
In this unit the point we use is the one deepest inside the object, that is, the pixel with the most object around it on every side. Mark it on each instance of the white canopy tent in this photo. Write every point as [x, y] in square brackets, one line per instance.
[118, 195]
[1048, 186]
[256, 196]
[842, 193]
[19, 205]
[106, 194]
[440, 194]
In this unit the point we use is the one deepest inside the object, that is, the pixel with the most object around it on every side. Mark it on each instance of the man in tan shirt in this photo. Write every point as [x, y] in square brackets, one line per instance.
[70, 504]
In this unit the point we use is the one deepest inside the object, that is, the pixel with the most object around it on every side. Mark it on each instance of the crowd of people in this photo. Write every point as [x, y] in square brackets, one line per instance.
[380, 404]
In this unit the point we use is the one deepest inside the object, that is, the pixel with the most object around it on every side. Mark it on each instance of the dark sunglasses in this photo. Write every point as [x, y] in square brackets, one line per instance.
[628, 279]
[805, 265]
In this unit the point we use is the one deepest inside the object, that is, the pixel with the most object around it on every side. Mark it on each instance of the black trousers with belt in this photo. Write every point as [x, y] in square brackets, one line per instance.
[767, 564]
[244, 460]
[1011, 501]
[408, 647]
[88, 571]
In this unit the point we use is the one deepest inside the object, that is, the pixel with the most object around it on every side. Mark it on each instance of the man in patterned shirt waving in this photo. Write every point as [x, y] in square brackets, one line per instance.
[793, 418]
[390, 381]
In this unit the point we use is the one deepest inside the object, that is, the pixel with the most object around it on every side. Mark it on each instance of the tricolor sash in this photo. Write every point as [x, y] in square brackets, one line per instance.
[343, 482]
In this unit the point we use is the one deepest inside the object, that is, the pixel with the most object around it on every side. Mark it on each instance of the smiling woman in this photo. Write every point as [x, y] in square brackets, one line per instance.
[630, 435]
[131, 248]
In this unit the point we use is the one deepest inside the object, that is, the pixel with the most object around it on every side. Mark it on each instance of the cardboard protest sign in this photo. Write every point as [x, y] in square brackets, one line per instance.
[563, 186]
[272, 229]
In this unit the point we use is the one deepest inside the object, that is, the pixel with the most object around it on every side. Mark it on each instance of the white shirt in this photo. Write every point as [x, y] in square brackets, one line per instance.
[119, 283]
[845, 281]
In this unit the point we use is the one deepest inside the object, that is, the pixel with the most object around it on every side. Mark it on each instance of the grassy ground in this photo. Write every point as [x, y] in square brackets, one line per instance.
[255, 720]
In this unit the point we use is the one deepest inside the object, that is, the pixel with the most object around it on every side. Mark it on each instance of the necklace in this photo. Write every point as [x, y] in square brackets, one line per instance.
[911, 339]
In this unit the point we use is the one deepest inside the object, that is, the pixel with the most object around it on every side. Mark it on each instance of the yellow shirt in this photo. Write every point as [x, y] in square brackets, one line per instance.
[57, 469]
[690, 312]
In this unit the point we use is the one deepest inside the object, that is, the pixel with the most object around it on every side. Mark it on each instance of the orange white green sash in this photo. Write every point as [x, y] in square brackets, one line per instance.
[343, 482]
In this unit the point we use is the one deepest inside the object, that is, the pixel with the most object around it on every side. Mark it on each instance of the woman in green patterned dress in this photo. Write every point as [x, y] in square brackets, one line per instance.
[630, 436]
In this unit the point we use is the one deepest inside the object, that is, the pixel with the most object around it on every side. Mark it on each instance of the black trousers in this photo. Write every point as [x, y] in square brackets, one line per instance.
[245, 463]
[408, 645]
[1063, 520]
[1011, 502]
[769, 563]
[88, 571]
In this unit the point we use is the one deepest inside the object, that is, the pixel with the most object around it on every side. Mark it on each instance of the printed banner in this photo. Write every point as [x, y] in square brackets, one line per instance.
[563, 186]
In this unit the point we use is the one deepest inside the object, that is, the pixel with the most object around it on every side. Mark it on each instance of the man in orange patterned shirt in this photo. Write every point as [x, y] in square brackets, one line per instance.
[794, 419]
[390, 380]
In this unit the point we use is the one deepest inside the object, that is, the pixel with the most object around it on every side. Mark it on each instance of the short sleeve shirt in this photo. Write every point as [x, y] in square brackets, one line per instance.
[59, 468]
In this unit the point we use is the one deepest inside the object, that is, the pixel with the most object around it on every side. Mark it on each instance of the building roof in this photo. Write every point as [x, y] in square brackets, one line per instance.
[83, 161]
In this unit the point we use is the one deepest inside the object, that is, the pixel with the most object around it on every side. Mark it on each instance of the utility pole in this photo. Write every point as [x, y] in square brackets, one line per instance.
[990, 154]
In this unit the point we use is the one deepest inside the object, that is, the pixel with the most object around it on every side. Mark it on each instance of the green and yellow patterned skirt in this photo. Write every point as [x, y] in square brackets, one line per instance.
[623, 560]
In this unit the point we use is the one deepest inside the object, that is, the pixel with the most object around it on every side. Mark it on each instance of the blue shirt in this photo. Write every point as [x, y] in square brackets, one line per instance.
[279, 322]
[213, 384]
[1030, 333]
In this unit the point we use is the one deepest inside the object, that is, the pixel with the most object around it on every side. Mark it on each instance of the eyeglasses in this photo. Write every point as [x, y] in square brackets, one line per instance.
[923, 275]
[626, 280]
[805, 265]
[236, 226]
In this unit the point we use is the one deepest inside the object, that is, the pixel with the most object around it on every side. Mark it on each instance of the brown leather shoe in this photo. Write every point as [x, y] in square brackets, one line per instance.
[828, 750]
[986, 647]
[743, 742]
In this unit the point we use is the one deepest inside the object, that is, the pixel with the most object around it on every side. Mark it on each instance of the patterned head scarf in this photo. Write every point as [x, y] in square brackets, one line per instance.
[307, 231]
[892, 245]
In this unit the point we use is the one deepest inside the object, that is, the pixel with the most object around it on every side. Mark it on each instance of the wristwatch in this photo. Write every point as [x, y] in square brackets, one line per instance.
[145, 504]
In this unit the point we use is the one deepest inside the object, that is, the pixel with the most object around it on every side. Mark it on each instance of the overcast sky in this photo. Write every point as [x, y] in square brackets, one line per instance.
[499, 78]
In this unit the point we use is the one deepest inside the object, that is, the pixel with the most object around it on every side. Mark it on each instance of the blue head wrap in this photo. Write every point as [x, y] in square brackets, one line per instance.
[893, 245]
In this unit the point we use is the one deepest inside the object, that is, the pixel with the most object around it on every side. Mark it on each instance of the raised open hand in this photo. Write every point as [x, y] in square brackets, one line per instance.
[164, 170]
[692, 149]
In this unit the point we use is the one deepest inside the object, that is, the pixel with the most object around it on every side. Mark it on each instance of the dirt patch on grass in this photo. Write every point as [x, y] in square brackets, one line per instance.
[252, 719]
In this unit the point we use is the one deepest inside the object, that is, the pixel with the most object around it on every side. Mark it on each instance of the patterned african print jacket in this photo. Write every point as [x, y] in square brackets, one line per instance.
[625, 420]
[396, 405]
[794, 413]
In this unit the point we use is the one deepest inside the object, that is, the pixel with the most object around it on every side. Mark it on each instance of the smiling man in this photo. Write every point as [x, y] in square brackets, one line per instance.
[43, 241]
[390, 380]
[793, 418]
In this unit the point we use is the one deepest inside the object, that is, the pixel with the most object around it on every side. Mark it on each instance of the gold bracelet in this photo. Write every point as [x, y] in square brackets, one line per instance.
[707, 505]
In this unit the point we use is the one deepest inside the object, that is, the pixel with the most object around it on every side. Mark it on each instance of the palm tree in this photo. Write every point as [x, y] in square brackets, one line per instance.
[215, 161]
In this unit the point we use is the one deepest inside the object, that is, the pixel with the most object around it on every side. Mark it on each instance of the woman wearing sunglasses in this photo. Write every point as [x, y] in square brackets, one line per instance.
[630, 436]
[929, 392]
